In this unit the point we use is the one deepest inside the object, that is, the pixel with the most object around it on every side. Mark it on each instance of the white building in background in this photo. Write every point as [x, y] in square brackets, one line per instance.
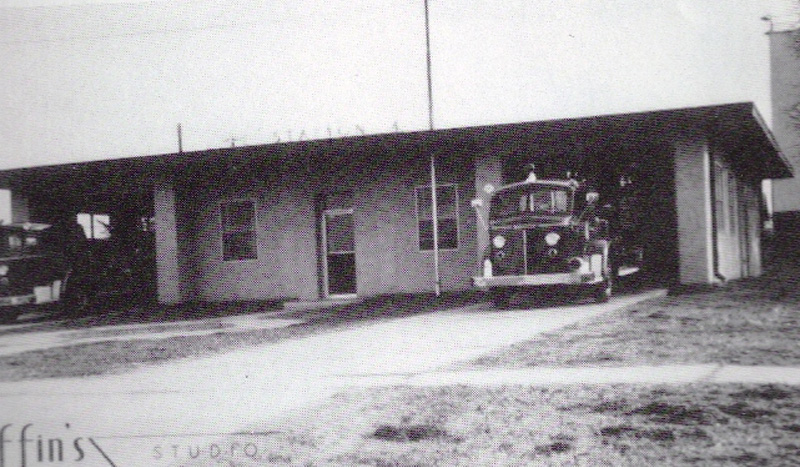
[785, 82]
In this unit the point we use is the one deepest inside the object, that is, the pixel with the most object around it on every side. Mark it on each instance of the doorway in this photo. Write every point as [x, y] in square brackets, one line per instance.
[339, 255]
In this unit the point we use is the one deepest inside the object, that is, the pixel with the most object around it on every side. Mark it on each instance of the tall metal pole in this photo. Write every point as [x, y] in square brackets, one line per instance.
[434, 204]
[180, 139]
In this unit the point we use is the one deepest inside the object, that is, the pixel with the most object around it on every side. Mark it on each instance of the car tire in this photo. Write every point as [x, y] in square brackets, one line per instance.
[8, 315]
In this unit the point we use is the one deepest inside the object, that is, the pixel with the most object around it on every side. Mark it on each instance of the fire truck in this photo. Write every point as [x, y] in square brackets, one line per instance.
[555, 234]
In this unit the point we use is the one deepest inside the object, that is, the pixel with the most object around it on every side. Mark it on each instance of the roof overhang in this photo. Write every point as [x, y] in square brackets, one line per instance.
[738, 127]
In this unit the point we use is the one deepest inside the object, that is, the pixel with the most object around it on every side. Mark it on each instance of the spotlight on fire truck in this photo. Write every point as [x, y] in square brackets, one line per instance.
[531, 173]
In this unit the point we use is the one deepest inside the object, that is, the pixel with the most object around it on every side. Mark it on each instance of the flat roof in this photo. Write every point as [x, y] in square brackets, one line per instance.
[738, 126]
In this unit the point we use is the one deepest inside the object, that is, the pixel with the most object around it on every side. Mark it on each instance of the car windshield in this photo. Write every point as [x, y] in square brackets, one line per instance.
[536, 199]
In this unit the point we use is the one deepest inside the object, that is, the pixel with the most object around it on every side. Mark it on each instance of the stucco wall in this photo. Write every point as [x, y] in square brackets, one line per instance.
[286, 262]
[693, 202]
[738, 236]
[167, 269]
[288, 266]
[383, 181]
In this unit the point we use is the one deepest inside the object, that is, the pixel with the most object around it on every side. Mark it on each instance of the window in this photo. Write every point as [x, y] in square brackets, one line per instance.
[95, 226]
[447, 210]
[537, 199]
[238, 230]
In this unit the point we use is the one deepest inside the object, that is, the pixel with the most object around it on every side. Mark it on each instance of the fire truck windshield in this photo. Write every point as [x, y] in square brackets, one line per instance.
[535, 199]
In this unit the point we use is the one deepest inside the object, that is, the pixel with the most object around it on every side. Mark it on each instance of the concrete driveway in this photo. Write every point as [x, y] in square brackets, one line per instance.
[132, 419]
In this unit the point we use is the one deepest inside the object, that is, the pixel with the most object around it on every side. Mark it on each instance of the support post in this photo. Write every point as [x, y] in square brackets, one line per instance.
[434, 207]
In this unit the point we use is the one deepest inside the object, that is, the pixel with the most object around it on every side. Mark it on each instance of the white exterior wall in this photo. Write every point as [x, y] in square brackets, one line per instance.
[738, 235]
[388, 259]
[285, 238]
[693, 202]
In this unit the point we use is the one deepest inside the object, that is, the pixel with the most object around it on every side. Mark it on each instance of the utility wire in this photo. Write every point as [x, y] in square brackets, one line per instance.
[133, 34]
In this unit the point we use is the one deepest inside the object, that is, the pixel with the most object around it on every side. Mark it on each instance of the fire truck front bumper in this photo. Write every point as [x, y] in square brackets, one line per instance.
[567, 278]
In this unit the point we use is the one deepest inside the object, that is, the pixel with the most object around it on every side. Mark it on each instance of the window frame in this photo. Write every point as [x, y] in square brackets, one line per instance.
[457, 216]
[91, 235]
[223, 231]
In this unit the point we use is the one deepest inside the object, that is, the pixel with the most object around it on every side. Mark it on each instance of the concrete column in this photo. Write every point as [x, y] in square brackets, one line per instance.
[488, 177]
[20, 208]
[167, 267]
[693, 202]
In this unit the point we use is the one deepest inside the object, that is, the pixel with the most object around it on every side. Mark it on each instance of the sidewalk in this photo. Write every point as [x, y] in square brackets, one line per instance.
[27, 341]
[660, 374]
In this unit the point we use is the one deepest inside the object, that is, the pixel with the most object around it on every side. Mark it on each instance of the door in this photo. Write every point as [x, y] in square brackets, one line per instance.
[744, 229]
[339, 252]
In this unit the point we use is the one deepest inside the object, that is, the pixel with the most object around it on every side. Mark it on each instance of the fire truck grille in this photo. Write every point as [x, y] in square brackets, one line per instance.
[542, 258]
[510, 260]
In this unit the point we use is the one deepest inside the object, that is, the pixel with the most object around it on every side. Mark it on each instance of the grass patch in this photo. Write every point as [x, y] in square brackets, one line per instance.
[563, 425]
[749, 322]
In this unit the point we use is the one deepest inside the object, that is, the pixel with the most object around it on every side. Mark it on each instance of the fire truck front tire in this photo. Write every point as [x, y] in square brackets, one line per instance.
[603, 291]
[74, 299]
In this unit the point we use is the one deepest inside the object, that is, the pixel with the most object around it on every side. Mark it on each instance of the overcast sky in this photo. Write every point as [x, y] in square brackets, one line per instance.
[86, 80]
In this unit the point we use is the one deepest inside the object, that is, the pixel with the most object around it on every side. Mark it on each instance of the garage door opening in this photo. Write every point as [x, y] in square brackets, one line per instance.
[119, 240]
[635, 180]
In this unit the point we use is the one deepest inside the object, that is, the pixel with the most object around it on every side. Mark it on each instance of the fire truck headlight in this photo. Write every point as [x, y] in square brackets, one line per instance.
[3, 269]
[499, 241]
[552, 238]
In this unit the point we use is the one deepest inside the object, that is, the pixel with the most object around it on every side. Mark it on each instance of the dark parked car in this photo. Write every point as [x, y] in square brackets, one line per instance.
[40, 266]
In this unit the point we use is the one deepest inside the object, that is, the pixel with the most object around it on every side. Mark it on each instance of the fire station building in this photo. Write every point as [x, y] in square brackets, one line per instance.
[322, 219]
